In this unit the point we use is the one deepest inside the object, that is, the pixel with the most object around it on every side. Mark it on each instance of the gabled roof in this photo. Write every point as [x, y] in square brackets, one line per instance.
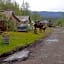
[8, 13]
[23, 18]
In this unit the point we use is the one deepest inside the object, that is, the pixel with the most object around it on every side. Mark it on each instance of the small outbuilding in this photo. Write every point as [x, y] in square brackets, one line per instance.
[24, 24]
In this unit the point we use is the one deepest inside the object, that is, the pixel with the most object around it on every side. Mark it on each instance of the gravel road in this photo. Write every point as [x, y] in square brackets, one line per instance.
[49, 51]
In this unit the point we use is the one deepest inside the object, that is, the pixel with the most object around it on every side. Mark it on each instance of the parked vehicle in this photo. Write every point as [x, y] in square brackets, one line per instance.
[24, 27]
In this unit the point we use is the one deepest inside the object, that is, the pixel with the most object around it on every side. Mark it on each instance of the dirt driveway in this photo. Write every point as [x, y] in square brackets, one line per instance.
[49, 51]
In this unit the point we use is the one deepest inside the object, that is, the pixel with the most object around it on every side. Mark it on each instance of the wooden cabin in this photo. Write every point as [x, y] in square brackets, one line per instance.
[19, 20]
[10, 16]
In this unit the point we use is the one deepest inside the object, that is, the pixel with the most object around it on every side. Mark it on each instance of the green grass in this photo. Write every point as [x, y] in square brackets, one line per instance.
[18, 39]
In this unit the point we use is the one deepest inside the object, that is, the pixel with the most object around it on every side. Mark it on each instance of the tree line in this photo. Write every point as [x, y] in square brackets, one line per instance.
[20, 11]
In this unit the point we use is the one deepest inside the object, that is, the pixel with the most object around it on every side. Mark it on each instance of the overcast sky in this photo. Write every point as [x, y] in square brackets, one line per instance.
[44, 5]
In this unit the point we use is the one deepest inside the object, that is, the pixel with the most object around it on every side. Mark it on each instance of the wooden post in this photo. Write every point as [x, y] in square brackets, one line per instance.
[5, 38]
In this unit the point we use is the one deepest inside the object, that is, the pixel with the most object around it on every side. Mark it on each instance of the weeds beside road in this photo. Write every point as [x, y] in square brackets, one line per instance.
[19, 39]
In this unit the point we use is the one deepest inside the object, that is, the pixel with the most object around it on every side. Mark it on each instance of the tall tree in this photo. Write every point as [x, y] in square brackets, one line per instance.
[25, 8]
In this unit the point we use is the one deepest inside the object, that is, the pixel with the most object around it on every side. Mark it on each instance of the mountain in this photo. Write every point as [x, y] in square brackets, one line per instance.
[47, 14]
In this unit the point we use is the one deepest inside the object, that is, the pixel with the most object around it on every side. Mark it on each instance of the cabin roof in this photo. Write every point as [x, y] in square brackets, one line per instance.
[8, 13]
[23, 18]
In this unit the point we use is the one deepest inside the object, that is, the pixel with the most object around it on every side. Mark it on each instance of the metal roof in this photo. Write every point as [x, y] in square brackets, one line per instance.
[23, 18]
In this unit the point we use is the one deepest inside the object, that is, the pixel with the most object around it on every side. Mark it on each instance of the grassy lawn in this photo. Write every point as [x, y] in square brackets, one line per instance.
[21, 39]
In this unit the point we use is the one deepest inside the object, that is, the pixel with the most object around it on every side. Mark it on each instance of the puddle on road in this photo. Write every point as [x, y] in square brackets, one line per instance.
[19, 55]
[52, 40]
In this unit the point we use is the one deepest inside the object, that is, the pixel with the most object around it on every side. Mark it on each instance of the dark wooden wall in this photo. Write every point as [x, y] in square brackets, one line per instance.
[1, 26]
